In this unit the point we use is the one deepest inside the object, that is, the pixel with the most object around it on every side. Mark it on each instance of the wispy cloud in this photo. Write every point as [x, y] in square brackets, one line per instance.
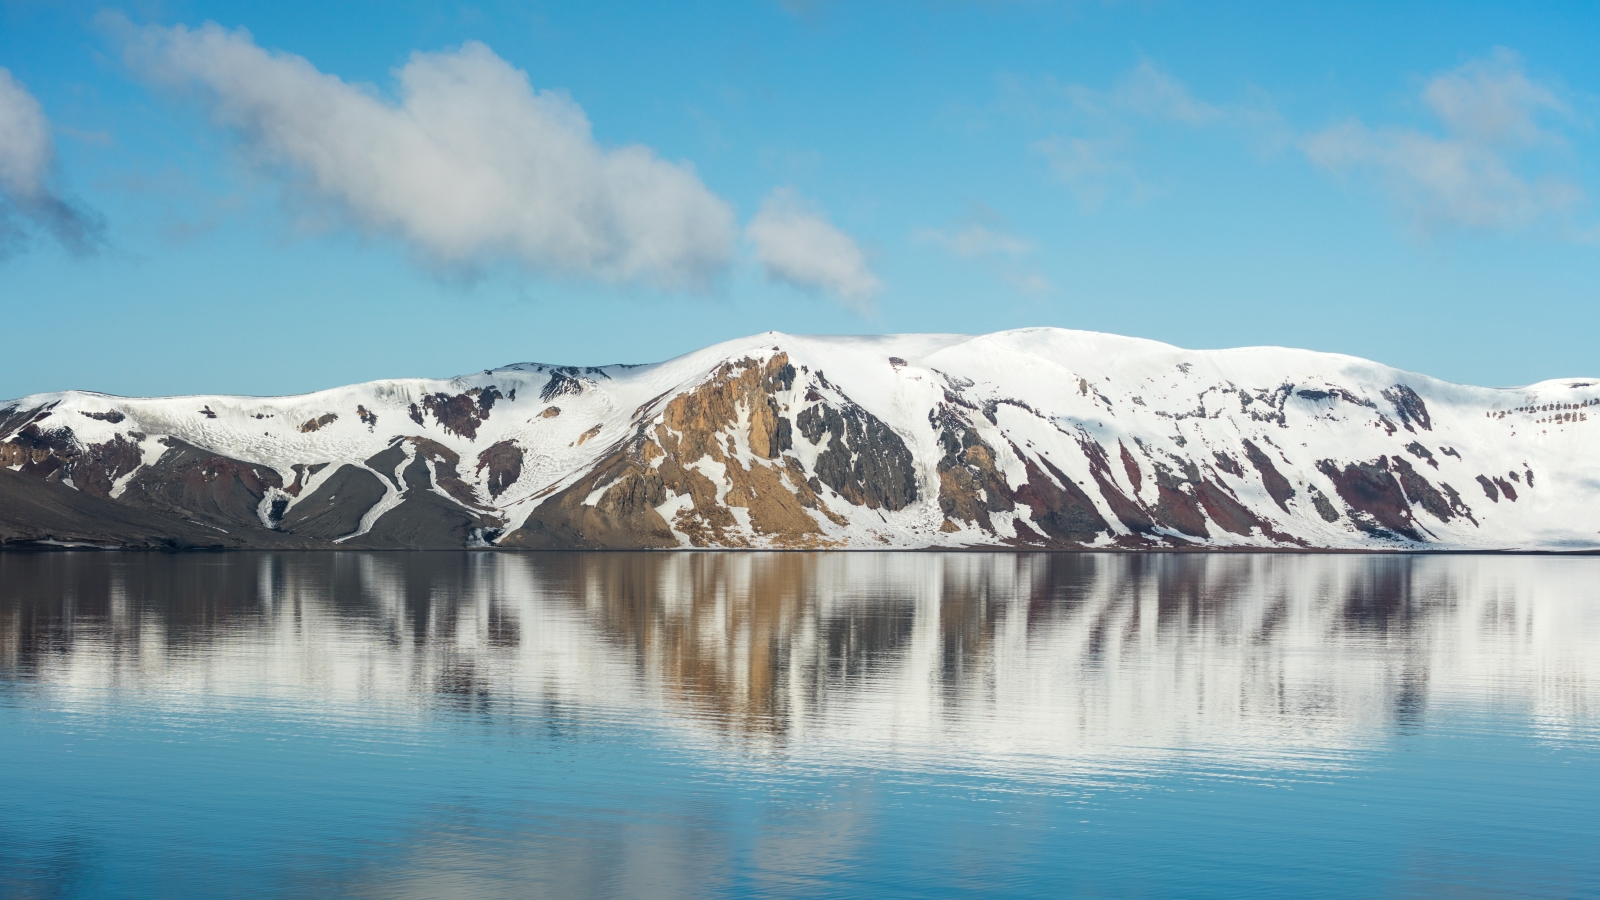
[974, 240]
[1092, 168]
[984, 237]
[30, 201]
[471, 165]
[1478, 167]
[798, 246]
[1097, 131]
[1148, 92]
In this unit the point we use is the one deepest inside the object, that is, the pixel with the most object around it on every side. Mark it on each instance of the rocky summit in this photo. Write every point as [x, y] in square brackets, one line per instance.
[1032, 439]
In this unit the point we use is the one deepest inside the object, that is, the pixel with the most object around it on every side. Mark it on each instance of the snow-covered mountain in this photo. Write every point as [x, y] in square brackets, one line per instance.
[1037, 438]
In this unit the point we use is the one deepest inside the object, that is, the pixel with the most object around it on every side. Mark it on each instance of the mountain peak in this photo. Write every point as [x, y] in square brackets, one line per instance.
[1041, 438]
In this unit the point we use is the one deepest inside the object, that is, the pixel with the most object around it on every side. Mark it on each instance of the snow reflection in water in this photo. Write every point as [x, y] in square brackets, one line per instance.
[1052, 675]
[1029, 661]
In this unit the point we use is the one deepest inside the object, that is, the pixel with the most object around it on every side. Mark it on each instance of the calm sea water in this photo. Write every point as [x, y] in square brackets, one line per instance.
[844, 725]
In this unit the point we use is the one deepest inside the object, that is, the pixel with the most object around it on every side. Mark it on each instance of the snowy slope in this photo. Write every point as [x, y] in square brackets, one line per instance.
[1035, 437]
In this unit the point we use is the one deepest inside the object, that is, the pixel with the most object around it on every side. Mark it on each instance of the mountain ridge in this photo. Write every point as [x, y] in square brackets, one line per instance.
[1032, 438]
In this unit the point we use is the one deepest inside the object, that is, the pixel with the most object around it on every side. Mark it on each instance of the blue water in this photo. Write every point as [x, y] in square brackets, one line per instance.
[841, 725]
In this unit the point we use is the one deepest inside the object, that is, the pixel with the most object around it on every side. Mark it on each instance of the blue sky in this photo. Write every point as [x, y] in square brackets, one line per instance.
[213, 197]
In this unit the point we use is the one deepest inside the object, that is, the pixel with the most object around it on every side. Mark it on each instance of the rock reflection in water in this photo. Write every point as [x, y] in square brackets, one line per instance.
[1030, 662]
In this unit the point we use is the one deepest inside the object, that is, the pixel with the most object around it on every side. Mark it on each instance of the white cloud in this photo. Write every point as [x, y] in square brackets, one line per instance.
[1093, 155]
[1493, 101]
[26, 150]
[976, 239]
[798, 246]
[982, 237]
[471, 165]
[28, 200]
[1152, 93]
[1030, 283]
[1091, 168]
[1474, 170]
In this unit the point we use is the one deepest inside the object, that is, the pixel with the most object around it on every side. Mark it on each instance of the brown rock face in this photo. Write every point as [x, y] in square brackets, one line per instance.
[196, 484]
[1420, 492]
[627, 521]
[1177, 506]
[504, 462]
[1179, 510]
[1060, 509]
[1131, 466]
[1375, 498]
[445, 462]
[1127, 510]
[56, 455]
[1224, 509]
[458, 414]
[1278, 487]
[643, 471]
[1410, 407]
[970, 487]
[100, 465]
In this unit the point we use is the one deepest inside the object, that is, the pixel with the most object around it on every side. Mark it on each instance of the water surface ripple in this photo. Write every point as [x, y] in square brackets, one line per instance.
[796, 724]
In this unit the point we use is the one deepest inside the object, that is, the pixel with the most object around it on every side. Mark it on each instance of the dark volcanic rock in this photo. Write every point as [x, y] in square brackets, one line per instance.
[459, 414]
[1224, 509]
[1059, 507]
[1227, 463]
[387, 463]
[865, 461]
[1127, 510]
[32, 511]
[191, 483]
[504, 462]
[1409, 406]
[1176, 507]
[424, 520]
[1422, 453]
[335, 508]
[563, 381]
[1371, 490]
[1323, 506]
[1278, 487]
[1420, 492]
[627, 522]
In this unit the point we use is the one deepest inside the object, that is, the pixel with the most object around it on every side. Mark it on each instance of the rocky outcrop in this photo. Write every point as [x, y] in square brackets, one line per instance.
[38, 513]
[200, 486]
[335, 509]
[503, 460]
[730, 426]
[862, 459]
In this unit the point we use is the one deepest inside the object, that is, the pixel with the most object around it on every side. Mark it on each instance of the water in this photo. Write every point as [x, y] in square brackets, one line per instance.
[727, 724]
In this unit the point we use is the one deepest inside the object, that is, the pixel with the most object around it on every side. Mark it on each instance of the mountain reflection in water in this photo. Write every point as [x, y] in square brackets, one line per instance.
[796, 724]
[1049, 664]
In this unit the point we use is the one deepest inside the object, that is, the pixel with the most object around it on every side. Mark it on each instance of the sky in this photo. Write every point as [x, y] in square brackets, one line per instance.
[277, 198]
